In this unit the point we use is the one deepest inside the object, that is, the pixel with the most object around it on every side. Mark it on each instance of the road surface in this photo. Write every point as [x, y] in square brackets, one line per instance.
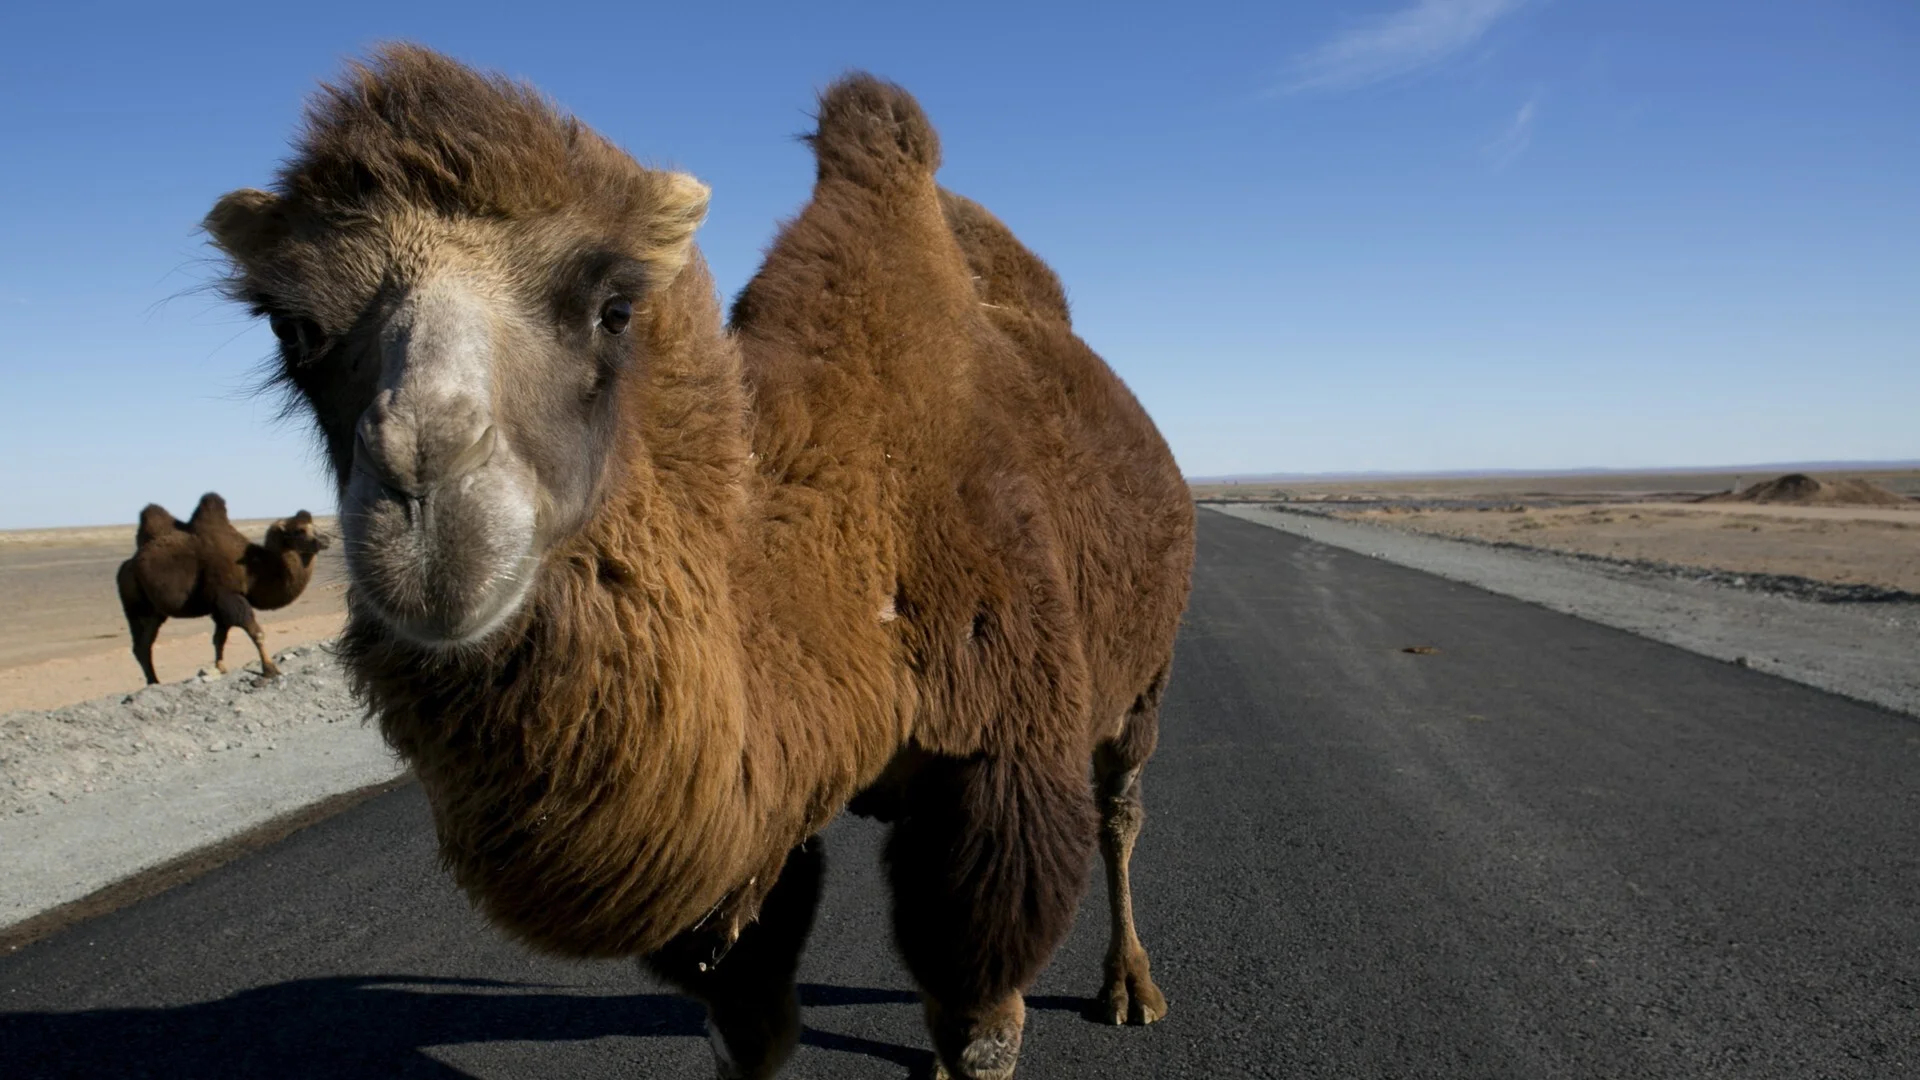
[1547, 849]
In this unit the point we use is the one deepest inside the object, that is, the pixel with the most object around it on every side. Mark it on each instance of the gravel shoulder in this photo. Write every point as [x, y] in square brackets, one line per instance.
[94, 792]
[1865, 651]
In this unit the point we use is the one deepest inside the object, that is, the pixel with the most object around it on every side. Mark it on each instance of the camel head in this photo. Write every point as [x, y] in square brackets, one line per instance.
[297, 534]
[461, 279]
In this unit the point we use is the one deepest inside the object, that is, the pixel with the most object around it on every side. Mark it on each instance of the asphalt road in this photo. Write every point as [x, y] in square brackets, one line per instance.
[1548, 849]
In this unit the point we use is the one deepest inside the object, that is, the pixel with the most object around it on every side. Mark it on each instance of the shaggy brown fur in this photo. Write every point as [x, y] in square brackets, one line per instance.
[898, 532]
[204, 566]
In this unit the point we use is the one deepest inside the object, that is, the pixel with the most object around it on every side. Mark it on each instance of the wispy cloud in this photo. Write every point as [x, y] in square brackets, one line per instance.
[1506, 147]
[1398, 44]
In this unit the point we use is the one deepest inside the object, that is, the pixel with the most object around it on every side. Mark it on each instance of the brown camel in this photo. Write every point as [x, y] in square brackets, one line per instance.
[646, 600]
[204, 566]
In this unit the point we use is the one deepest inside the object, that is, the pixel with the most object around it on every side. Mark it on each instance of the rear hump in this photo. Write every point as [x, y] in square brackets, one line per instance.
[1006, 274]
[155, 522]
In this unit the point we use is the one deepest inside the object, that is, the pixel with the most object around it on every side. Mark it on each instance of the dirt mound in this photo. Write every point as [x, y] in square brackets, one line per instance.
[1799, 489]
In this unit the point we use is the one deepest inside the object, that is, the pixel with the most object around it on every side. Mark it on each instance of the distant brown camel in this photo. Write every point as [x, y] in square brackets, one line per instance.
[646, 601]
[204, 566]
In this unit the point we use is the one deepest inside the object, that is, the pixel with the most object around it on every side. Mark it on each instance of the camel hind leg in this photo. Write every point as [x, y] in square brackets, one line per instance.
[143, 622]
[1128, 994]
[145, 627]
[220, 628]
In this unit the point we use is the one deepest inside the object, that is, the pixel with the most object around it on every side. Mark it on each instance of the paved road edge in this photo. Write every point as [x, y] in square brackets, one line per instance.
[1853, 651]
[181, 869]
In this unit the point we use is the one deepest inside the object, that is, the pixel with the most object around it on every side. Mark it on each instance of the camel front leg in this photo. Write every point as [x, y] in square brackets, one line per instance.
[232, 609]
[988, 864]
[753, 1006]
[259, 636]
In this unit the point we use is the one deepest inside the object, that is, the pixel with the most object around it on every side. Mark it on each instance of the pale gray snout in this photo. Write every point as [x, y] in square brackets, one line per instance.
[439, 514]
[431, 422]
[415, 446]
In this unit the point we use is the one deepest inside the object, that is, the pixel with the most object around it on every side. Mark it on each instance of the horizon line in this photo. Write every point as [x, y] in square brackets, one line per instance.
[1587, 470]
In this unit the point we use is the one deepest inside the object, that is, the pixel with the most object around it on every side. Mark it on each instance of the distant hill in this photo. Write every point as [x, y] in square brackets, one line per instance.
[1799, 489]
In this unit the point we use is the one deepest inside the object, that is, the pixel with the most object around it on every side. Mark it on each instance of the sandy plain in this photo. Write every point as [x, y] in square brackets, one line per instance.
[64, 640]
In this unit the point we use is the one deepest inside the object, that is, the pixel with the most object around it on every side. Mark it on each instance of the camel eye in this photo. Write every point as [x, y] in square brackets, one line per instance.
[615, 314]
[298, 336]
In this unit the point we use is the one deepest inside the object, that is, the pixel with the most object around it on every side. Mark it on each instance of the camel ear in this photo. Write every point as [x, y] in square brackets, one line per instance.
[678, 210]
[246, 224]
[303, 518]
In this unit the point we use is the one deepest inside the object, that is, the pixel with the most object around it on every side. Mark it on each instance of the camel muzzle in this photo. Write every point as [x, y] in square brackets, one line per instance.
[443, 554]
[413, 452]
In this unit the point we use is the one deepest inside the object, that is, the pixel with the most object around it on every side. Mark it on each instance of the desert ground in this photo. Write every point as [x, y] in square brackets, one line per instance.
[1654, 518]
[63, 639]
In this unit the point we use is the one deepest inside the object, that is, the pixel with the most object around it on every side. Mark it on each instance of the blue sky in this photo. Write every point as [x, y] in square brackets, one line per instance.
[1392, 234]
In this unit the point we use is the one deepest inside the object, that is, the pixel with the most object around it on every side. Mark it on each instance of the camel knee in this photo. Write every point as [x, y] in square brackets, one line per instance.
[267, 666]
[1122, 818]
[1122, 814]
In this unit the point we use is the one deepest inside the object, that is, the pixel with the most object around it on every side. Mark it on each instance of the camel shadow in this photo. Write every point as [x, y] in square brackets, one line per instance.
[379, 1025]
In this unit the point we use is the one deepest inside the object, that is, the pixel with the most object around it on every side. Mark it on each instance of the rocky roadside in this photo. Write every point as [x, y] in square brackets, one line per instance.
[94, 792]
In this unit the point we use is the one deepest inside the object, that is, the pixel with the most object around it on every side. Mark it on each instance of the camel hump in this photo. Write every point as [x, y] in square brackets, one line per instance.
[211, 511]
[1006, 274]
[871, 131]
[155, 522]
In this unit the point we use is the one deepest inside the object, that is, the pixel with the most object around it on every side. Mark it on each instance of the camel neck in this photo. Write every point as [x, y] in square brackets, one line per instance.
[276, 576]
[611, 770]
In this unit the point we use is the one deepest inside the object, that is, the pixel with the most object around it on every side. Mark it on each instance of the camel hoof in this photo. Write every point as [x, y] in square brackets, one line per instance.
[990, 1056]
[1132, 999]
[755, 1042]
[941, 1072]
[270, 672]
[987, 1048]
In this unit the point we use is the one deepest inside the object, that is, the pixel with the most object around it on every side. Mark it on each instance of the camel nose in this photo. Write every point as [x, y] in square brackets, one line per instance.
[414, 450]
